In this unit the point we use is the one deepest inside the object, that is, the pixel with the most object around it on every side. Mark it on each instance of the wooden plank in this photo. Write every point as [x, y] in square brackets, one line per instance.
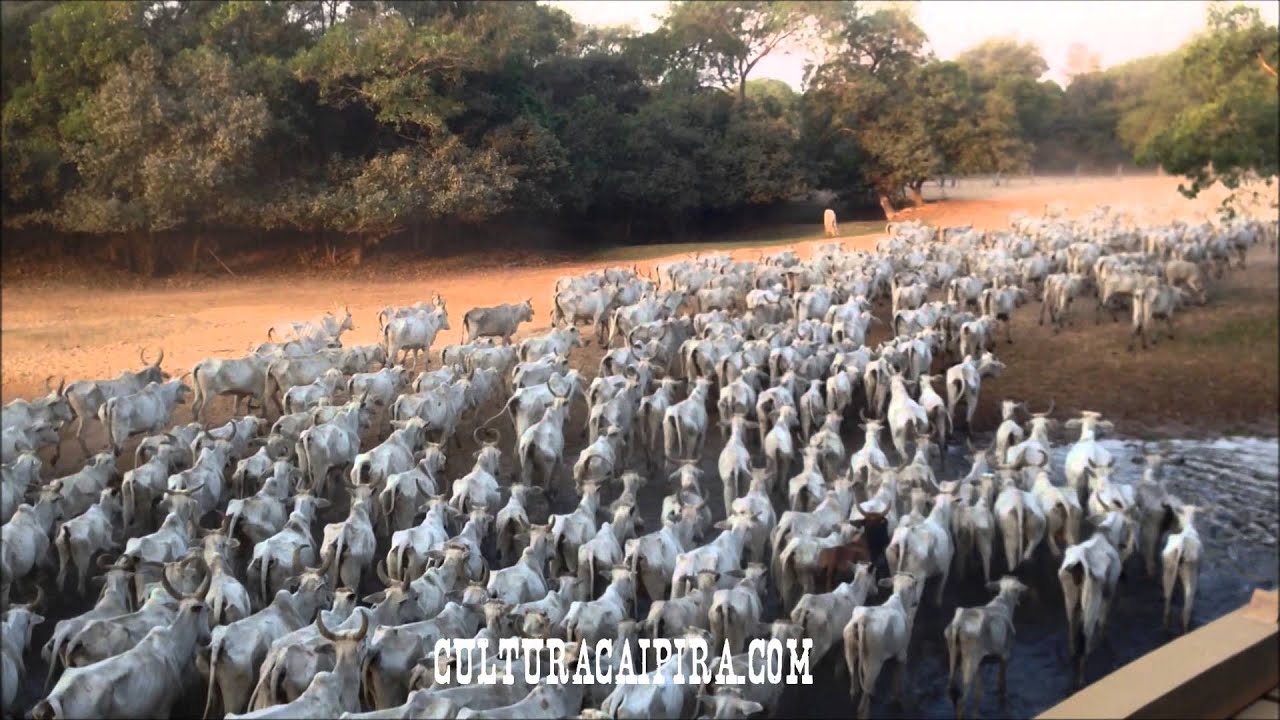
[1213, 671]
[1261, 710]
[1264, 606]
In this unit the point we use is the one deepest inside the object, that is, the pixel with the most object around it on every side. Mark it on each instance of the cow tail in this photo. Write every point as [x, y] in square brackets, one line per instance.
[56, 650]
[339, 547]
[557, 310]
[668, 422]
[232, 519]
[265, 577]
[274, 689]
[214, 649]
[1021, 534]
[312, 480]
[860, 642]
[216, 617]
[62, 542]
[197, 401]
[952, 635]
[635, 571]
[646, 409]
[106, 414]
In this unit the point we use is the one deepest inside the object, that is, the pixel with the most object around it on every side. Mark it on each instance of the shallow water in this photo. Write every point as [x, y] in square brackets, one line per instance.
[1236, 477]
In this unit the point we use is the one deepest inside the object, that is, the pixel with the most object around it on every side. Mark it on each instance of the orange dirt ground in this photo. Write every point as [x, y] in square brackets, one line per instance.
[1219, 376]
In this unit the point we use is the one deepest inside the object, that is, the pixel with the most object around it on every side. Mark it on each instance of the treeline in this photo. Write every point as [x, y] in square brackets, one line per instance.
[361, 120]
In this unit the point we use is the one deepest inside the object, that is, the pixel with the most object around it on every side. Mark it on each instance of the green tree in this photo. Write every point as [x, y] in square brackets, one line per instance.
[1228, 128]
[729, 39]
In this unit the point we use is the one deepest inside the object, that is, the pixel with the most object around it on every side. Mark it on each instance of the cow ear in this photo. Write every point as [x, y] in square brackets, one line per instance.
[886, 583]
[375, 598]
[722, 525]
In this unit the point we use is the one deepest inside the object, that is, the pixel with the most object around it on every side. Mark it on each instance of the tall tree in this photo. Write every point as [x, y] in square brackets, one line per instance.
[1230, 127]
[731, 38]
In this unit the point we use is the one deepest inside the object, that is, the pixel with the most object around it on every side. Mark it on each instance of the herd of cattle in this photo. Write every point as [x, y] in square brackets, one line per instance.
[210, 553]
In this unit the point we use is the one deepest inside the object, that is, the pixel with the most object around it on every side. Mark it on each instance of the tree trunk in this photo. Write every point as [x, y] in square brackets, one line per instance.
[196, 243]
[913, 192]
[887, 206]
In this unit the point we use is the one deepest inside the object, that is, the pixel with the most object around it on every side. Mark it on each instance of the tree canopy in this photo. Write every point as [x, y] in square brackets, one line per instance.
[370, 118]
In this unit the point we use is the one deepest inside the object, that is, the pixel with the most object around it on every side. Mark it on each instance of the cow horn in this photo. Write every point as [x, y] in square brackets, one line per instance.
[203, 588]
[325, 632]
[185, 493]
[381, 568]
[38, 603]
[327, 563]
[160, 358]
[48, 385]
[142, 354]
[1046, 413]
[168, 586]
[364, 628]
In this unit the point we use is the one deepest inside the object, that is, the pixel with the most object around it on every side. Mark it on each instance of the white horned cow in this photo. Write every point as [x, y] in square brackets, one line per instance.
[86, 397]
[500, 321]
[147, 410]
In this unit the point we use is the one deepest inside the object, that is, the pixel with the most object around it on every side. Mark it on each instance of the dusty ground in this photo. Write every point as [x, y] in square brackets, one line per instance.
[1219, 375]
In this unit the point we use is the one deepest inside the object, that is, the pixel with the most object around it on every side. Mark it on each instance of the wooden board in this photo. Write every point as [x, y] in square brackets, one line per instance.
[1261, 710]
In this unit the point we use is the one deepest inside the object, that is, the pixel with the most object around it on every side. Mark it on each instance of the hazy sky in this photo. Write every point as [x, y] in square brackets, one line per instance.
[1117, 30]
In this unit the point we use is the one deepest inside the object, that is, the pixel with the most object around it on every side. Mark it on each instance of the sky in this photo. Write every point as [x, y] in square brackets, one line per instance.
[1117, 30]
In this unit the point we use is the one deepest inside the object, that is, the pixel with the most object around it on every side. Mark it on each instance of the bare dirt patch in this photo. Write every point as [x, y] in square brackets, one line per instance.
[1218, 376]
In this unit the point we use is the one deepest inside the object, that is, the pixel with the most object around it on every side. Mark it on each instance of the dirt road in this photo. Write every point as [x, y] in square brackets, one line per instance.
[1219, 375]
